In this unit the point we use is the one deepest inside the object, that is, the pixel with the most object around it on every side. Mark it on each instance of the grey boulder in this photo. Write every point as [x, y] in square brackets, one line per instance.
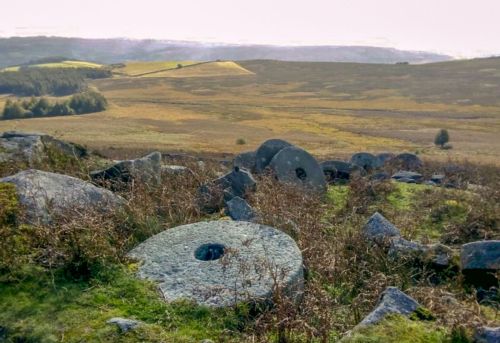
[33, 148]
[171, 169]
[238, 209]
[297, 167]
[221, 263]
[392, 301]
[365, 160]
[146, 169]
[124, 324]
[378, 229]
[385, 157]
[45, 194]
[407, 176]
[480, 261]
[267, 151]
[246, 160]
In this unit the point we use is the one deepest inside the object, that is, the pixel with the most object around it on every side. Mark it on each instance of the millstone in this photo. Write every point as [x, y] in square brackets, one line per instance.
[267, 151]
[221, 263]
[297, 167]
[365, 160]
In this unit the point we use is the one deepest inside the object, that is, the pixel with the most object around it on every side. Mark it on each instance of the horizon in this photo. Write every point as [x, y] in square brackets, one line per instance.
[452, 28]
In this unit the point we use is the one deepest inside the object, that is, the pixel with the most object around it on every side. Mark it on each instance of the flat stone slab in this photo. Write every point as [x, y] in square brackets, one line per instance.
[481, 255]
[221, 263]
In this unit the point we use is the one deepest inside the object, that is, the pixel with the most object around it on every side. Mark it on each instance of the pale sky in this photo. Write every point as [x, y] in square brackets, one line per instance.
[463, 28]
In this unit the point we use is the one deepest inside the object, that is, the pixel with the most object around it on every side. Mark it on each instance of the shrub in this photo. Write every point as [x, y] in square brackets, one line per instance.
[442, 138]
[241, 141]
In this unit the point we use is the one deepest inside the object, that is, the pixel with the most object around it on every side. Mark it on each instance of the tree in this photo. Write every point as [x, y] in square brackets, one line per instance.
[12, 110]
[442, 138]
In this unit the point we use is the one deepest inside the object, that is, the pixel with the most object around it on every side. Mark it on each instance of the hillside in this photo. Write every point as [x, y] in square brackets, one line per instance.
[59, 64]
[329, 108]
[17, 50]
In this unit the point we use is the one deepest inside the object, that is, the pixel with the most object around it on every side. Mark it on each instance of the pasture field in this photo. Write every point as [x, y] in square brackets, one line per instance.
[139, 67]
[62, 64]
[332, 109]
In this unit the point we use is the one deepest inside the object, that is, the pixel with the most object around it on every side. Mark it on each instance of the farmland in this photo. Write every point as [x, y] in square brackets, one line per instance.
[332, 109]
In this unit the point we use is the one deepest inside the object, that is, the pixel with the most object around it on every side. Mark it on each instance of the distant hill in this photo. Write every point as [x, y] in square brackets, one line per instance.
[19, 50]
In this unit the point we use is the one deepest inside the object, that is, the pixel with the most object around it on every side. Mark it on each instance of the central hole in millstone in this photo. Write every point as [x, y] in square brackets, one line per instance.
[209, 252]
[301, 173]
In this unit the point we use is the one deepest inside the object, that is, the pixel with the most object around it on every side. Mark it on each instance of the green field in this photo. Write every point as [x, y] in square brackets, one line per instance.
[332, 109]
[62, 64]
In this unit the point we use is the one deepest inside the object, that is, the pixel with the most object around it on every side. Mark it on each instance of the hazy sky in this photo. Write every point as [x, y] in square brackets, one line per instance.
[458, 27]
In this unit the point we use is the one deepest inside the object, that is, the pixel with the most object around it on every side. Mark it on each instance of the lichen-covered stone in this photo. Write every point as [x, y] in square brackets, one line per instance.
[221, 263]
[43, 194]
[124, 324]
[239, 209]
[146, 169]
[392, 301]
[379, 229]
[31, 148]
[246, 160]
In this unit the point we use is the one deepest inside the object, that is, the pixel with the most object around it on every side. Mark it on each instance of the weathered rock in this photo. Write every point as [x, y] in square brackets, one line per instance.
[408, 161]
[146, 169]
[365, 160]
[438, 178]
[437, 255]
[385, 157]
[380, 230]
[31, 148]
[335, 170]
[246, 160]
[45, 194]
[392, 301]
[407, 176]
[171, 169]
[480, 261]
[382, 176]
[124, 324]
[267, 151]
[221, 263]
[297, 167]
[239, 209]
[487, 335]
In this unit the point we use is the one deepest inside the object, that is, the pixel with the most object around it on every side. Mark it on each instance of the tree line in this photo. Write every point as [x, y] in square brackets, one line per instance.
[48, 81]
[81, 103]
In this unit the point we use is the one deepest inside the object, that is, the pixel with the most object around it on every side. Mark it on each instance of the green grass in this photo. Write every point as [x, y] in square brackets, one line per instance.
[398, 329]
[37, 309]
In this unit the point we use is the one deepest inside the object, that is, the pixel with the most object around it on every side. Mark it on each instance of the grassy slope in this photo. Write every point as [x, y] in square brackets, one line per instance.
[329, 108]
[138, 68]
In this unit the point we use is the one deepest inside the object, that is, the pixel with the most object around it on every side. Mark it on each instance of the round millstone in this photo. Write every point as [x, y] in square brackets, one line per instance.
[267, 151]
[221, 263]
[295, 166]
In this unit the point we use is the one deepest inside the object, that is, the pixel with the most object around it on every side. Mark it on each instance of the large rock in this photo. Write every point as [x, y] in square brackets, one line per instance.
[221, 263]
[408, 161]
[239, 209]
[407, 176]
[44, 195]
[246, 160]
[335, 170]
[392, 301]
[237, 183]
[365, 160]
[297, 167]
[267, 151]
[124, 324]
[437, 255]
[487, 335]
[33, 148]
[146, 169]
[380, 230]
[480, 261]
